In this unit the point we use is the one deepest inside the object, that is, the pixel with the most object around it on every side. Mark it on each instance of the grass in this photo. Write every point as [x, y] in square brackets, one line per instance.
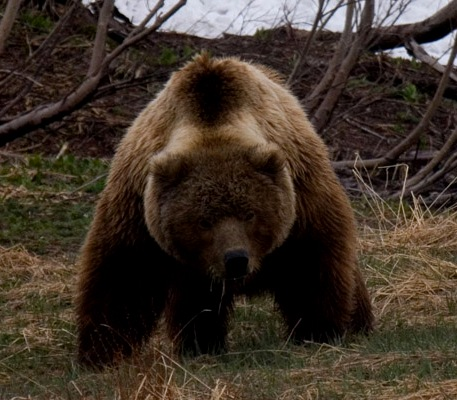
[47, 203]
[36, 21]
[407, 254]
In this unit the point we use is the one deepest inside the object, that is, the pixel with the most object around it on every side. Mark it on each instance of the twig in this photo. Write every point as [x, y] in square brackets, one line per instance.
[316, 28]
[8, 154]
[450, 164]
[359, 125]
[88, 183]
[8, 71]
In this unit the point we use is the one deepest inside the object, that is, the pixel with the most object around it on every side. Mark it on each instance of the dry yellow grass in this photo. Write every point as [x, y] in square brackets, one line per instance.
[418, 249]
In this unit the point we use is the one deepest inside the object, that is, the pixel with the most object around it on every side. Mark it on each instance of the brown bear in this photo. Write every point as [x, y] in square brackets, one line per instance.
[220, 188]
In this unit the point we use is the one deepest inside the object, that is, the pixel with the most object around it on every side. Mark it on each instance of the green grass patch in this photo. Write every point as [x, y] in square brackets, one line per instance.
[67, 173]
[44, 226]
[36, 21]
[47, 204]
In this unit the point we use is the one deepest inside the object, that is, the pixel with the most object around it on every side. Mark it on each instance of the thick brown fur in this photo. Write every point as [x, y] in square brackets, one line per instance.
[220, 187]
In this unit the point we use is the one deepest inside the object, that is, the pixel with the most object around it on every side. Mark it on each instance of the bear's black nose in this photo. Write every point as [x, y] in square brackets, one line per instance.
[236, 263]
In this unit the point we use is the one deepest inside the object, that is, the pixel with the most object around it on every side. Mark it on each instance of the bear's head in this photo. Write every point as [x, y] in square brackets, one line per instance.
[220, 209]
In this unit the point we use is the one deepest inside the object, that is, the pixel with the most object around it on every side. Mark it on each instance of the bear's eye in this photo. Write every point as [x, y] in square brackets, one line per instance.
[249, 216]
[205, 224]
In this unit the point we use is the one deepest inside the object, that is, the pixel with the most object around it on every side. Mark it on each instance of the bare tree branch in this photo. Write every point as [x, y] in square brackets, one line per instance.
[137, 35]
[7, 22]
[341, 72]
[98, 52]
[318, 24]
[341, 50]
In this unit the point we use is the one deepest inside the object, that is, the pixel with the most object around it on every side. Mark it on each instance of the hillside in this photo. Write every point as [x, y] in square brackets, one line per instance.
[384, 99]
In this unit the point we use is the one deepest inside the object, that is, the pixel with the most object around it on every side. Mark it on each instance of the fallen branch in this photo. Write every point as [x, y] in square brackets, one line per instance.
[418, 52]
[431, 29]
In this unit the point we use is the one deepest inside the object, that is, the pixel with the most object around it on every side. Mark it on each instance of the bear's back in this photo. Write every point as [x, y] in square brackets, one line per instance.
[212, 101]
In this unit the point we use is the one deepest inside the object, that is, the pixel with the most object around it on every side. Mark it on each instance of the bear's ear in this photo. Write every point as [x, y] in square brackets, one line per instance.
[169, 168]
[269, 161]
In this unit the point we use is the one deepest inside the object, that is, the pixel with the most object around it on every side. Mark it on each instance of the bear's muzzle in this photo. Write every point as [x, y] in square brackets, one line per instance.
[236, 263]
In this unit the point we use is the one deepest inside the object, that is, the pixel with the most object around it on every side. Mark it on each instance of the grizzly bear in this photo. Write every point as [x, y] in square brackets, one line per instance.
[220, 188]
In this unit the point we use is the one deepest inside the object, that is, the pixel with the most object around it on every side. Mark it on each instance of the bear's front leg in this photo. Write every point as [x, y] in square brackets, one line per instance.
[314, 289]
[122, 292]
[198, 315]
